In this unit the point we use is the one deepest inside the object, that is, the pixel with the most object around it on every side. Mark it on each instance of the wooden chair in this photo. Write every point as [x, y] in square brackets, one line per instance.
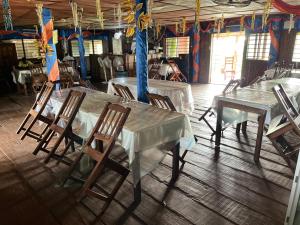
[62, 125]
[36, 113]
[231, 86]
[38, 78]
[164, 102]
[66, 80]
[229, 68]
[289, 124]
[123, 91]
[154, 69]
[104, 135]
[87, 84]
[177, 75]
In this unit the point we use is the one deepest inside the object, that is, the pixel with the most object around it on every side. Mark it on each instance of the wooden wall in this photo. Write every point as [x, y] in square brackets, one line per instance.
[205, 47]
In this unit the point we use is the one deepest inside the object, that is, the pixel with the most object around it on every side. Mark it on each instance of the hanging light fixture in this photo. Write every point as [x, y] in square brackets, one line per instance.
[234, 3]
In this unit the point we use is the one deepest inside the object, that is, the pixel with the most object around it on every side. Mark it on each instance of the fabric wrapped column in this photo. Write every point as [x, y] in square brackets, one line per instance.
[141, 57]
[83, 67]
[275, 29]
[196, 53]
[51, 56]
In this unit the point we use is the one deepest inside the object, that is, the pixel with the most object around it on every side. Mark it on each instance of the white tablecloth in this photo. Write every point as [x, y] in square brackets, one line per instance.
[259, 96]
[145, 133]
[180, 93]
[20, 75]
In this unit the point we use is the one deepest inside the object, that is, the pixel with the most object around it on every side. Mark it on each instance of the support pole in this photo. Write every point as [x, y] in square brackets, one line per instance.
[141, 57]
[83, 68]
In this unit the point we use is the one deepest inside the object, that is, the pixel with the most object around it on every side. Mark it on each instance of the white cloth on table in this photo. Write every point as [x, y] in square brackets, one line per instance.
[180, 93]
[259, 96]
[144, 134]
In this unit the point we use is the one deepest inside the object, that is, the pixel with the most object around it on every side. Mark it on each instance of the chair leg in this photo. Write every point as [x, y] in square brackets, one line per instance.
[54, 148]
[73, 167]
[238, 129]
[90, 181]
[244, 127]
[45, 140]
[23, 123]
[29, 128]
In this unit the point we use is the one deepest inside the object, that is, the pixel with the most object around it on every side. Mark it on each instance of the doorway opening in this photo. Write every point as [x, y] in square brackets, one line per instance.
[227, 51]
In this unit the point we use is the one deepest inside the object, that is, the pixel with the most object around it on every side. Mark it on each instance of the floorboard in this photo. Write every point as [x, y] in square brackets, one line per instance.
[230, 191]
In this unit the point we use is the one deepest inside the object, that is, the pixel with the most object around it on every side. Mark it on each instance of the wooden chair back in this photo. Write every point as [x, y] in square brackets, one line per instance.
[177, 74]
[231, 86]
[163, 102]
[229, 63]
[123, 91]
[36, 113]
[44, 95]
[70, 107]
[36, 69]
[290, 110]
[38, 78]
[107, 129]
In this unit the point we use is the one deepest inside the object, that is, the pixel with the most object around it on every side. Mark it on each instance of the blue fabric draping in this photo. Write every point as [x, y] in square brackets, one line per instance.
[141, 57]
[196, 54]
[83, 67]
[297, 24]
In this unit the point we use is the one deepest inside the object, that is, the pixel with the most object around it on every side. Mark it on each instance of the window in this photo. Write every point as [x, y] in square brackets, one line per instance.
[30, 45]
[259, 46]
[117, 46]
[88, 47]
[98, 47]
[296, 54]
[176, 46]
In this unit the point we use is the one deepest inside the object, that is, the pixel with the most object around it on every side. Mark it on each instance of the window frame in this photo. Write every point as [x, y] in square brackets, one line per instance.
[296, 49]
[177, 51]
[260, 49]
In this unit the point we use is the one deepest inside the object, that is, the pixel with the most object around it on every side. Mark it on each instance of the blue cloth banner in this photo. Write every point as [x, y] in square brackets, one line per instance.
[47, 36]
[141, 57]
[83, 67]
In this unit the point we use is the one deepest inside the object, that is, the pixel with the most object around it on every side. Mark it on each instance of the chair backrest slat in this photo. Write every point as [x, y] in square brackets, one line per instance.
[163, 102]
[231, 86]
[70, 107]
[108, 126]
[123, 91]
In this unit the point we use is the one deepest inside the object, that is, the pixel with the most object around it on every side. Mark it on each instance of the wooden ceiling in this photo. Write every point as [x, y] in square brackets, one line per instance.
[165, 11]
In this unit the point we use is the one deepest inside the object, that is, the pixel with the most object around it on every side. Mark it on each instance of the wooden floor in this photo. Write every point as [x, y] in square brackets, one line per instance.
[232, 190]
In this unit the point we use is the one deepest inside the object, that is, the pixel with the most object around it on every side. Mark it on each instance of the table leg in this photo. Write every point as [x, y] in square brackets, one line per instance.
[260, 130]
[244, 127]
[218, 128]
[137, 191]
[175, 166]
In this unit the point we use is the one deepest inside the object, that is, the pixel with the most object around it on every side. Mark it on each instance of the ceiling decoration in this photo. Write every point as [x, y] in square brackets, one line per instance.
[163, 12]
[234, 3]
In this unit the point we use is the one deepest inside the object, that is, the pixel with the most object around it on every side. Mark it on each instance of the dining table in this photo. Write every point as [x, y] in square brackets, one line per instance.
[258, 99]
[180, 93]
[147, 136]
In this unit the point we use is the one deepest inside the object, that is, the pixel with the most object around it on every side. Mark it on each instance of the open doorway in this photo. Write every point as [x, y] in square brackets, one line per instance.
[226, 57]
